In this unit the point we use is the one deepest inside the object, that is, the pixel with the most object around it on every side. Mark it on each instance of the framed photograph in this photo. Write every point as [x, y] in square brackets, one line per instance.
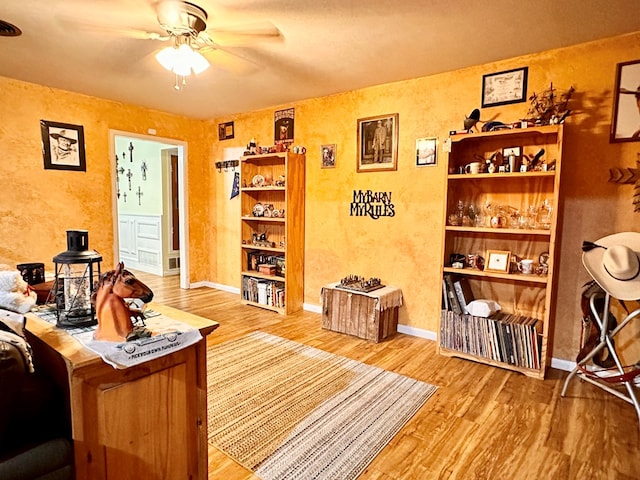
[328, 155]
[497, 261]
[378, 143]
[284, 122]
[625, 125]
[63, 146]
[505, 87]
[516, 151]
[426, 152]
[225, 131]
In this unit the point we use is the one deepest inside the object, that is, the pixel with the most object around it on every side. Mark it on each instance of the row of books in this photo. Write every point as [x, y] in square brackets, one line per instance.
[256, 258]
[456, 293]
[507, 338]
[264, 292]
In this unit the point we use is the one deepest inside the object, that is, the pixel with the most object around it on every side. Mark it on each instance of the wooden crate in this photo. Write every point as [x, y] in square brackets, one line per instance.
[356, 314]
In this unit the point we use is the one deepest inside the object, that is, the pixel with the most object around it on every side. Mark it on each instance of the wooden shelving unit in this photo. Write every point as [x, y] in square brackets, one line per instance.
[526, 296]
[281, 188]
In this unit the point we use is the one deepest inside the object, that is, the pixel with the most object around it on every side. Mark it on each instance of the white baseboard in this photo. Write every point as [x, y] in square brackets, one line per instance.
[417, 332]
[561, 364]
[309, 307]
[217, 286]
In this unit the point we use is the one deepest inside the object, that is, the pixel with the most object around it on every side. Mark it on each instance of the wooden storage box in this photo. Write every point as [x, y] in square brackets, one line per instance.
[360, 314]
[267, 269]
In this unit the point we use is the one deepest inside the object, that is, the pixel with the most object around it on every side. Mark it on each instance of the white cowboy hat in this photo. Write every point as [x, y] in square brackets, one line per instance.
[614, 263]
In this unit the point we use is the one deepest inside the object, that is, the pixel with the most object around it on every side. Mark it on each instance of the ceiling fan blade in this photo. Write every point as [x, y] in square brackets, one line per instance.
[228, 60]
[110, 28]
[243, 34]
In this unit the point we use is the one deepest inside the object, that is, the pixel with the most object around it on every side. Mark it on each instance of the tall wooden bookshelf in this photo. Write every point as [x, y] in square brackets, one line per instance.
[272, 216]
[521, 338]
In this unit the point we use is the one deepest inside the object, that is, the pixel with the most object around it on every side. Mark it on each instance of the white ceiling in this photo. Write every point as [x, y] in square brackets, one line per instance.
[325, 47]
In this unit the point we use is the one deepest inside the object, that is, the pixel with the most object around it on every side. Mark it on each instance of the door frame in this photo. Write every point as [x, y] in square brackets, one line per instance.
[182, 196]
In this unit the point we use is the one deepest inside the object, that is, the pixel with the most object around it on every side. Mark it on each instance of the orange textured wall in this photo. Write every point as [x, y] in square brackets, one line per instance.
[37, 206]
[404, 250]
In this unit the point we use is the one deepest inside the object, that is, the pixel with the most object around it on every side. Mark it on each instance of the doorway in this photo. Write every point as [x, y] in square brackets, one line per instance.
[149, 202]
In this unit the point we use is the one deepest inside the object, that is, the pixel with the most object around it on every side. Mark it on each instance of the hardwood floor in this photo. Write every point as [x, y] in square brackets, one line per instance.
[482, 423]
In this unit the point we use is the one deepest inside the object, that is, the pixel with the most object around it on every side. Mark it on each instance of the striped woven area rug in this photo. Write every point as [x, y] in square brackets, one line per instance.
[288, 411]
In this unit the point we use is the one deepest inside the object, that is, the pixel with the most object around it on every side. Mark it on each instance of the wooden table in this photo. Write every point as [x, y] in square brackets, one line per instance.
[369, 315]
[146, 421]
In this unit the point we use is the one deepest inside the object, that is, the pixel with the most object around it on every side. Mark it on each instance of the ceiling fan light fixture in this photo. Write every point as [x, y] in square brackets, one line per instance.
[197, 61]
[181, 59]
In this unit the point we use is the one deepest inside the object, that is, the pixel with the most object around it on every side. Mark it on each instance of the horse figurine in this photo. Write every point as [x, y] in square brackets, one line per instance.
[113, 313]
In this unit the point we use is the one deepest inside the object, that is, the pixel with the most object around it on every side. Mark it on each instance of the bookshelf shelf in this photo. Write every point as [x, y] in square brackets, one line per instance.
[515, 277]
[502, 202]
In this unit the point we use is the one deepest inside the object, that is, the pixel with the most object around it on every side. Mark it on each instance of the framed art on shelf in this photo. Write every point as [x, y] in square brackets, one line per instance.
[426, 152]
[497, 261]
[625, 124]
[506, 87]
[63, 146]
[378, 143]
[328, 153]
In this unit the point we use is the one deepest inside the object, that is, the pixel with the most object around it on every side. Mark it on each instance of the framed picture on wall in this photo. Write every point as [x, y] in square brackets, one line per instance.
[625, 124]
[328, 154]
[378, 143]
[225, 131]
[426, 152]
[506, 87]
[63, 146]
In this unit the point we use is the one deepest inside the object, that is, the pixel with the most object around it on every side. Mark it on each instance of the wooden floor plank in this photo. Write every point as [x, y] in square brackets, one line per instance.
[482, 423]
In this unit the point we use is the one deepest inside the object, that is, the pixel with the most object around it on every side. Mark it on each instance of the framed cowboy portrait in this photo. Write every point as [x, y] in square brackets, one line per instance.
[63, 146]
[378, 143]
[625, 124]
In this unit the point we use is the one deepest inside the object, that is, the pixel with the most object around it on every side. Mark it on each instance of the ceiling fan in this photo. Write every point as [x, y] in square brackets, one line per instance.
[186, 26]
[192, 44]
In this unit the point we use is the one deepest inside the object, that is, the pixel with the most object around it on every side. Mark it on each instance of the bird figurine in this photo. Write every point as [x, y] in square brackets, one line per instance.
[472, 120]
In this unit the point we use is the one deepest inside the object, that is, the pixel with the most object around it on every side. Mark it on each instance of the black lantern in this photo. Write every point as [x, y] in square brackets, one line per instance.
[77, 271]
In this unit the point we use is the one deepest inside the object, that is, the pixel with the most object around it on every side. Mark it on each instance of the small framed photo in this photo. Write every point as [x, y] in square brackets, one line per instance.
[625, 125]
[505, 87]
[507, 152]
[426, 152]
[63, 146]
[225, 131]
[378, 143]
[328, 154]
[497, 261]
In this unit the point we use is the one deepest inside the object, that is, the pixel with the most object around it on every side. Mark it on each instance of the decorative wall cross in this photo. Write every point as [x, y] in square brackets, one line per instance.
[627, 176]
[139, 194]
[129, 175]
[131, 151]
[144, 168]
[124, 196]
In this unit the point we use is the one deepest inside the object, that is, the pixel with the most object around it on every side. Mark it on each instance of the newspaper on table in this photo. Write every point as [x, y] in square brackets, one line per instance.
[167, 336]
